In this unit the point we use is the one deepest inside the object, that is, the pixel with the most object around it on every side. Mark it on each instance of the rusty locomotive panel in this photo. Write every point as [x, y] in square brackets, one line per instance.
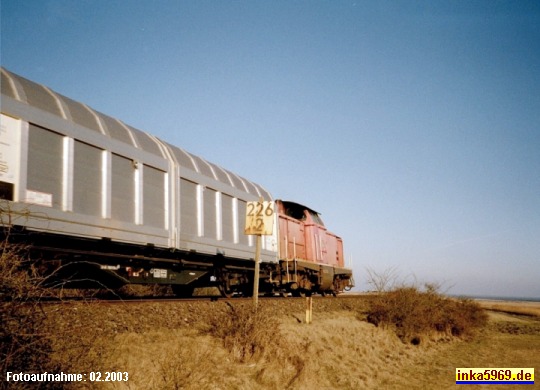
[111, 204]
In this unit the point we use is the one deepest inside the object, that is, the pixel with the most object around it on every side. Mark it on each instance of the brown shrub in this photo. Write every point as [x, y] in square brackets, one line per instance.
[254, 335]
[22, 346]
[415, 314]
[28, 341]
[244, 330]
[463, 316]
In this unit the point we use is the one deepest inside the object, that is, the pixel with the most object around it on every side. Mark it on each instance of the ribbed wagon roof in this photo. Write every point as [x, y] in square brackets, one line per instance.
[43, 98]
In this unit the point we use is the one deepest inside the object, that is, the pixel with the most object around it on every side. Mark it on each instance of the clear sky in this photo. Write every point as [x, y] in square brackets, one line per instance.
[412, 126]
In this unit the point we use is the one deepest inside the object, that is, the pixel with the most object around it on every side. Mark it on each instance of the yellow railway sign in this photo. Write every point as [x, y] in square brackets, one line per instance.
[260, 218]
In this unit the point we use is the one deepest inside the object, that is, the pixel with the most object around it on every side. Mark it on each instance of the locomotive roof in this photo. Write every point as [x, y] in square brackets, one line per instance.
[41, 97]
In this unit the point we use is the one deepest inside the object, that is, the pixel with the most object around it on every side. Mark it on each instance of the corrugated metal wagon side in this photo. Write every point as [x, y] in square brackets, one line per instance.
[116, 205]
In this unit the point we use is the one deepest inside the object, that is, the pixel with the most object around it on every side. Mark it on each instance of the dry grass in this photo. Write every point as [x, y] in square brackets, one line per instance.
[254, 335]
[336, 351]
[493, 347]
[170, 359]
[342, 352]
[183, 346]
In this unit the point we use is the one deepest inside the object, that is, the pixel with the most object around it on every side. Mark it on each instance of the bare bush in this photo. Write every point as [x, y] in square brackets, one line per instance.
[23, 345]
[243, 329]
[29, 341]
[382, 281]
[415, 314]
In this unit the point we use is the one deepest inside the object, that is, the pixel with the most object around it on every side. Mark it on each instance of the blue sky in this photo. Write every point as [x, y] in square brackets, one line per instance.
[412, 126]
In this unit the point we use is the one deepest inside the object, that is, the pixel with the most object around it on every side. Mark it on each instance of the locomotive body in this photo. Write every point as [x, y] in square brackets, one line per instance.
[104, 203]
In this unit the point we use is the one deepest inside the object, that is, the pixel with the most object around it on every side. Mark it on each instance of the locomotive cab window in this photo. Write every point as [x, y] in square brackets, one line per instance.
[301, 213]
[295, 211]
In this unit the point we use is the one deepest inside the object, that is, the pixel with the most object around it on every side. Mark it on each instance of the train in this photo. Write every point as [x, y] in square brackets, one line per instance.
[103, 204]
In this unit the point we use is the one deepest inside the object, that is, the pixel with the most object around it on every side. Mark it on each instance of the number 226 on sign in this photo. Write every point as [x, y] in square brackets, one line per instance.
[259, 218]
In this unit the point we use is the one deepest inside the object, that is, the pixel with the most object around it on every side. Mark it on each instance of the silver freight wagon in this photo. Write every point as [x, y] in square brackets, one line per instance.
[67, 170]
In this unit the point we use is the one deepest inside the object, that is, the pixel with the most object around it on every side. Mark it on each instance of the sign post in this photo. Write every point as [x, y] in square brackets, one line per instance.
[309, 310]
[259, 222]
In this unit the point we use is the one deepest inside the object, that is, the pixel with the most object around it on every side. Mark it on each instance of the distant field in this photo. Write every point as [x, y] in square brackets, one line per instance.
[512, 307]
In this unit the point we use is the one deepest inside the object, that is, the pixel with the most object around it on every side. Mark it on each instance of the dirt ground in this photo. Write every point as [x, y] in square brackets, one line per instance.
[167, 345]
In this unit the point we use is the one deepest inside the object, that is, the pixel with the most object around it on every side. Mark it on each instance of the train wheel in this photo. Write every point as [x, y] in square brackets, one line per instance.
[299, 293]
[182, 290]
[247, 291]
[328, 293]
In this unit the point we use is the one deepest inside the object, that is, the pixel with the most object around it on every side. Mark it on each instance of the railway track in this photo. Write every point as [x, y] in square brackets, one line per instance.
[172, 299]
